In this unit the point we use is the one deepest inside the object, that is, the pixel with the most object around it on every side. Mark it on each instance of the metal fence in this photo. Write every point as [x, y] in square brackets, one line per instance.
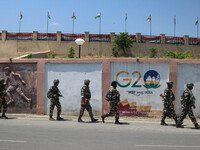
[47, 36]
[100, 37]
[71, 37]
[150, 39]
[194, 41]
[174, 40]
[19, 36]
[133, 37]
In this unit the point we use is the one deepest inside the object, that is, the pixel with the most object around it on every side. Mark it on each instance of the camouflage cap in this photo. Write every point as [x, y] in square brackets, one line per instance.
[56, 81]
[113, 83]
[190, 85]
[170, 82]
[86, 81]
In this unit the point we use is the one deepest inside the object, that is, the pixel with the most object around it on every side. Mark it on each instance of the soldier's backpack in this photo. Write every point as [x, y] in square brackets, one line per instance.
[109, 96]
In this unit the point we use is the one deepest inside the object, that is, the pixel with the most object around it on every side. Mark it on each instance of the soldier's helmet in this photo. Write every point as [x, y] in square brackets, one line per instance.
[1, 80]
[86, 81]
[56, 81]
[170, 83]
[189, 85]
[113, 83]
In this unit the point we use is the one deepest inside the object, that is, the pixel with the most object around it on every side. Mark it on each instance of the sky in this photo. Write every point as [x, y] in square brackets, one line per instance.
[112, 16]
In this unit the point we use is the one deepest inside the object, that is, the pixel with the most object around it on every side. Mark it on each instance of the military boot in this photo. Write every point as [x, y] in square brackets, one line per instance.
[103, 117]
[59, 118]
[179, 125]
[4, 116]
[117, 121]
[79, 119]
[51, 118]
[94, 120]
[197, 126]
[163, 123]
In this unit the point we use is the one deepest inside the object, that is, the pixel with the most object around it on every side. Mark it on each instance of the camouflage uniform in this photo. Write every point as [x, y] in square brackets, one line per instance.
[85, 101]
[168, 109]
[188, 101]
[54, 100]
[2, 98]
[115, 99]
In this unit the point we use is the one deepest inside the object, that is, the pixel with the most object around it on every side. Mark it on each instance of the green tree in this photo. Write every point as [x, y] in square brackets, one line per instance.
[52, 54]
[122, 42]
[71, 52]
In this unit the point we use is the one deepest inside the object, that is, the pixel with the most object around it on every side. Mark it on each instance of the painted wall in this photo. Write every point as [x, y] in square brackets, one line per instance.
[22, 85]
[140, 86]
[189, 73]
[72, 76]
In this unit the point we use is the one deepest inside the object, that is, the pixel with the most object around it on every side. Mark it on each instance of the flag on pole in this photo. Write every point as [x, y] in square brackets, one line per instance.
[73, 16]
[125, 16]
[98, 15]
[149, 18]
[21, 15]
[197, 21]
[174, 19]
[49, 16]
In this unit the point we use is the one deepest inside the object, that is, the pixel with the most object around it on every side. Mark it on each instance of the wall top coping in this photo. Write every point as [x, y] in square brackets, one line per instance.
[100, 60]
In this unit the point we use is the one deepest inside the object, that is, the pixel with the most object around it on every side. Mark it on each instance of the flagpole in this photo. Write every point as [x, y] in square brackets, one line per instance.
[125, 25]
[174, 25]
[150, 28]
[47, 22]
[73, 27]
[100, 24]
[197, 29]
[19, 24]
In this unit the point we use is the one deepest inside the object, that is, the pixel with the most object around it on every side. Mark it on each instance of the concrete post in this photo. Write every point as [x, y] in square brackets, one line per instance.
[112, 36]
[138, 37]
[35, 35]
[87, 36]
[59, 38]
[162, 38]
[3, 35]
[186, 40]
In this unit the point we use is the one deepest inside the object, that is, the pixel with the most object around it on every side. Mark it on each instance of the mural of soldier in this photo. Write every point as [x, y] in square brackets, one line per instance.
[12, 80]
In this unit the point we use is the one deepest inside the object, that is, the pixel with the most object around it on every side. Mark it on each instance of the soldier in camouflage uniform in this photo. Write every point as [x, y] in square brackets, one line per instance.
[168, 109]
[54, 94]
[2, 99]
[188, 101]
[115, 99]
[85, 101]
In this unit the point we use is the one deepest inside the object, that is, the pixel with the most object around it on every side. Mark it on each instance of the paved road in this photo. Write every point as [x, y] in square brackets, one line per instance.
[37, 133]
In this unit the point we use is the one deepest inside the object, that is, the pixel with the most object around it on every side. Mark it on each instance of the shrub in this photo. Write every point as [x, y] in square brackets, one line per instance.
[153, 52]
[52, 54]
[29, 56]
[71, 52]
[115, 52]
[179, 55]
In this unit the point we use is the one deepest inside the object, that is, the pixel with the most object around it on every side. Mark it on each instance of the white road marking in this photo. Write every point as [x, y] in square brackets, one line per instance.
[169, 146]
[13, 141]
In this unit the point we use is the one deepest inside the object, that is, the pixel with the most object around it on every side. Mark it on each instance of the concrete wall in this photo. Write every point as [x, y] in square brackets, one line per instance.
[72, 78]
[189, 73]
[140, 86]
[16, 48]
[136, 99]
